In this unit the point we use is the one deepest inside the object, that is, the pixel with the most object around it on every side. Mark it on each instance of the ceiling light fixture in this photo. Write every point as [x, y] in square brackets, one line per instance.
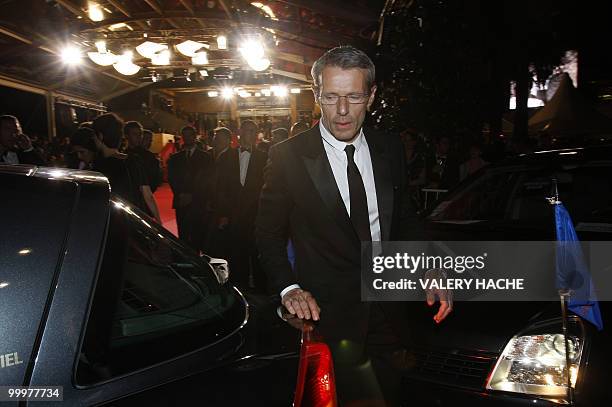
[161, 58]
[221, 42]
[295, 90]
[251, 50]
[203, 72]
[103, 57]
[117, 26]
[213, 94]
[124, 64]
[259, 64]
[190, 48]
[95, 11]
[227, 93]
[280, 91]
[148, 49]
[200, 58]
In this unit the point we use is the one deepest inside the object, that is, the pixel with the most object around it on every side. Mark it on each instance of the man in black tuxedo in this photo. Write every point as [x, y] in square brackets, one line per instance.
[239, 181]
[189, 175]
[329, 189]
[16, 147]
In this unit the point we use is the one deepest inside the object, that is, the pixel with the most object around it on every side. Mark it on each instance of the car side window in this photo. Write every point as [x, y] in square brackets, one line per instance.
[485, 199]
[586, 191]
[154, 300]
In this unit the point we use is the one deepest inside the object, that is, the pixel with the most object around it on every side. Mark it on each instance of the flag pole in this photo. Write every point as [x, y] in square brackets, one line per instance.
[564, 295]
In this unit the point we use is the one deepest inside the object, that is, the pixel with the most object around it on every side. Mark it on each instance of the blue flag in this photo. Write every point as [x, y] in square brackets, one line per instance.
[572, 272]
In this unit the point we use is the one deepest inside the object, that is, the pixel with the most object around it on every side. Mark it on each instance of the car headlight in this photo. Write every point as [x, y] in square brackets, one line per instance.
[536, 364]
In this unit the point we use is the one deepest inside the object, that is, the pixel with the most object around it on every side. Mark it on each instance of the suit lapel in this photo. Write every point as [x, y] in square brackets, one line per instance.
[319, 169]
[383, 181]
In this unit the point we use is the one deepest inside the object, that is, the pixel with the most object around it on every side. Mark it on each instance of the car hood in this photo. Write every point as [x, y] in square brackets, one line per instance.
[480, 326]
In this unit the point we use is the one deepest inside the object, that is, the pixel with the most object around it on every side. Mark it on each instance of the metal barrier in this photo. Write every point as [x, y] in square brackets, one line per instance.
[431, 195]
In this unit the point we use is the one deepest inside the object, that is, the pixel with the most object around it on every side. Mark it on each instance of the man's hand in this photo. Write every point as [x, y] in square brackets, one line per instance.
[301, 303]
[445, 296]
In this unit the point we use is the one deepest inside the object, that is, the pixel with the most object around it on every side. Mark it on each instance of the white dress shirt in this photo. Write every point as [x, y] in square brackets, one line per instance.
[338, 160]
[244, 158]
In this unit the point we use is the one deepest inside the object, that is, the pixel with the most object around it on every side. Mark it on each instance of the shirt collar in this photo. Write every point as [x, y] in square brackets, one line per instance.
[337, 144]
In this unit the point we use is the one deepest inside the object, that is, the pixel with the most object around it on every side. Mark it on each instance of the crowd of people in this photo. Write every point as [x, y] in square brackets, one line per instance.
[215, 180]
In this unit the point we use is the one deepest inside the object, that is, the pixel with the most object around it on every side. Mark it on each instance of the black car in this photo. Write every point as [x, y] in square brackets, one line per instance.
[470, 358]
[97, 299]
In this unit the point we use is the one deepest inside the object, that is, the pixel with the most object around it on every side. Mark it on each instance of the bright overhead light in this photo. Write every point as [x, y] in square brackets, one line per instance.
[147, 49]
[251, 50]
[213, 94]
[71, 55]
[280, 91]
[95, 11]
[204, 72]
[124, 64]
[257, 94]
[244, 94]
[190, 48]
[296, 90]
[260, 64]
[200, 58]
[161, 58]
[266, 92]
[221, 42]
[227, 93]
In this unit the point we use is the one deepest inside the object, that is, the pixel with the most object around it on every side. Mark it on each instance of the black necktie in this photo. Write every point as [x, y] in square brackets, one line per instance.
[357, 195]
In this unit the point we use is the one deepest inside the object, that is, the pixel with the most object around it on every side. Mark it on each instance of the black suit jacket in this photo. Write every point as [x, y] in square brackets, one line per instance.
[190, 175]
[301, 200]
[234, 201]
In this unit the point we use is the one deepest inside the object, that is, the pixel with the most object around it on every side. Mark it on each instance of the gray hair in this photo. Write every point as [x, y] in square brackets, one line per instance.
[345, 57]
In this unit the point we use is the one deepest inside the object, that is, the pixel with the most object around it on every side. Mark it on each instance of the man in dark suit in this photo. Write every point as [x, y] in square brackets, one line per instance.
[239, 181]
[16, 147]
[329, 189]
[189, 175]
[151, 162]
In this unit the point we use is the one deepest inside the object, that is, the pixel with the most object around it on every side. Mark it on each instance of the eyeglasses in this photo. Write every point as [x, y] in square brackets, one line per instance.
[353, 98]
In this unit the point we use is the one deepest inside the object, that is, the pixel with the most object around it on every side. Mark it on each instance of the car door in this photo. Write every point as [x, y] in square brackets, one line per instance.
[153, 314]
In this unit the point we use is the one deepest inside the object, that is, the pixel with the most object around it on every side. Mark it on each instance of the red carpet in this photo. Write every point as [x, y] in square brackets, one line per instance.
[163, 197]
